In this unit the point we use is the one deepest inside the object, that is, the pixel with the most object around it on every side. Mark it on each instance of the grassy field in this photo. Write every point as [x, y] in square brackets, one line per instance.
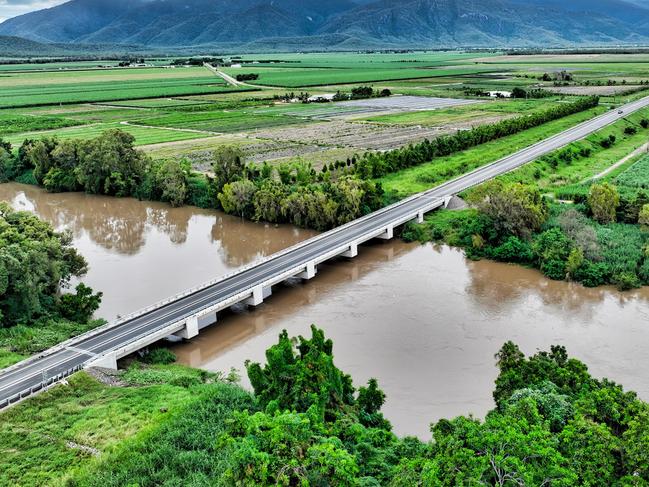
[143, 135]
[38, 88]
[50, 436]
[302, 77]
[556, 170]
[428, 175]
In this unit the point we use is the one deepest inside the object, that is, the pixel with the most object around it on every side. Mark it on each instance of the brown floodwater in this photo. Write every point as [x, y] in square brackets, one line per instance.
[423, 320]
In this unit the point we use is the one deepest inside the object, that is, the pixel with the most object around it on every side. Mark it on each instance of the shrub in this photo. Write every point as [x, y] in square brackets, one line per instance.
[159, 356]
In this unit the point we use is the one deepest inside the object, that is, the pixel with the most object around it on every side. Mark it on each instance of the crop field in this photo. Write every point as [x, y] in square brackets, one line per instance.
[304, 77]
[636, 176]
[356, 60]
[189, 111]
[143, 135]
[34, 89]
[221, 121]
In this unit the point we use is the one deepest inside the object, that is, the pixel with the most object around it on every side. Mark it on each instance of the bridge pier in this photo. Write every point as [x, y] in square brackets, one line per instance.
[190, 330]
[259, 293]
[352, 252]
[388, 234]
[420, 217]
[309, 272]
[108, 361]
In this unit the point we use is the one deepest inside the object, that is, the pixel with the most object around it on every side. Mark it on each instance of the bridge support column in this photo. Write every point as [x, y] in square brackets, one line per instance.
[352, 252]
[388, 234]
[190, 330]
[420, 217]
[309, 272]
[259, 293]
[108, 361]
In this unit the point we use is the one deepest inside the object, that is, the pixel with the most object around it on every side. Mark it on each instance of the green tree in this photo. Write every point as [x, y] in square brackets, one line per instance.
[603, 200]
[643, 217]
[110, 164]
[514, 209]
[35, 264]
[237, 198]
[171, 180]
[81, 306]
[228, 165]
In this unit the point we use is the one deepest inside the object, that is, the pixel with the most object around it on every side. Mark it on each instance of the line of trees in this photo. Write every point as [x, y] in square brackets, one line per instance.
[110, 165]
[376, 165]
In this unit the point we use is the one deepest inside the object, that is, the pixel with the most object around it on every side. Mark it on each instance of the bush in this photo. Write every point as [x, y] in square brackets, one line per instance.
[512, 250]
[159, 356]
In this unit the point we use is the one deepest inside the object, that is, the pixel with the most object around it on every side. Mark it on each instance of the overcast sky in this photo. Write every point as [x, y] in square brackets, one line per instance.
[11, 8]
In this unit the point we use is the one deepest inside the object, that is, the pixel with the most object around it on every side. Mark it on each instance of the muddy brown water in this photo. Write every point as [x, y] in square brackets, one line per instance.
[423, 320]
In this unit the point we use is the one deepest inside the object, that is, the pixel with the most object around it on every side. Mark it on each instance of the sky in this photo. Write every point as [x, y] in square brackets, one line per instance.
[11, 8]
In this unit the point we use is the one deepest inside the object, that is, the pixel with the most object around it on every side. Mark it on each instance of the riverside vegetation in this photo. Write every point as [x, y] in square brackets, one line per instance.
[293, 193]
[593, 232]
[36, 264]
[306, 424]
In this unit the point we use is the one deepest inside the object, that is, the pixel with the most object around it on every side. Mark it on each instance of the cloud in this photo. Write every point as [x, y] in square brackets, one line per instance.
[12, 8]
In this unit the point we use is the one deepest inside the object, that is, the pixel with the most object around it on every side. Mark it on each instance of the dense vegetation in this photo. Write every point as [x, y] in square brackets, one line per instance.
[110, 165]
[553, 424]
[376, 165]
[596, 241]
[36, 265]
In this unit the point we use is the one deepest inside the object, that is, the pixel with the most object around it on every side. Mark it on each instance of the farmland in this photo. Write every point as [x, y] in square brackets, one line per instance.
[166, 109]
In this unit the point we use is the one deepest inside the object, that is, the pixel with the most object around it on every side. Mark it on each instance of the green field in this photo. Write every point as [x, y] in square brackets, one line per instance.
[34, 89]
[425, 176]
[143, 135]
[302, 77]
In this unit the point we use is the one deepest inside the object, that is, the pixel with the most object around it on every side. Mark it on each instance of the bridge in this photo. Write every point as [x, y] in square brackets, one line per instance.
[186, 314]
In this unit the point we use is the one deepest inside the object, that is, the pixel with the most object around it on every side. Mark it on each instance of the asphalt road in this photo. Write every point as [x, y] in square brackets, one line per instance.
[31, 374]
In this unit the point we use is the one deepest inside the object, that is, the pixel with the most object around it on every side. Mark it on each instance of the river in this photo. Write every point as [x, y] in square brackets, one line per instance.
[422, 319]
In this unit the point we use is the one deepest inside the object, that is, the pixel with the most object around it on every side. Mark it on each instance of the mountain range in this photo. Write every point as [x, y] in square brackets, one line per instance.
[336, 23]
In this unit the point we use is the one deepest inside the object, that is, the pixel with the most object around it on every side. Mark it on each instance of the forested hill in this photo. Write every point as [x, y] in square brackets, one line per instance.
[336, 23]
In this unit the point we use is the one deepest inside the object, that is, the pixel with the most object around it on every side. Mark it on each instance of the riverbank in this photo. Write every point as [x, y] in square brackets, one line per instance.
[158, 424]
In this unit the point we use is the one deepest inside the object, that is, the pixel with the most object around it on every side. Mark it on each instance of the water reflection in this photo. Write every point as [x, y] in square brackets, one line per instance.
[421, 319]
[142, 252]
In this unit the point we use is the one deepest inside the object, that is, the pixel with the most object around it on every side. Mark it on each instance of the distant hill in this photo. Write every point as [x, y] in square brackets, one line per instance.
[336, 23]
[12, 46]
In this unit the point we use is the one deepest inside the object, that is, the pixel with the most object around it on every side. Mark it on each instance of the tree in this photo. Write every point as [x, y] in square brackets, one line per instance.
[110, 164]
[35, 264]
[514, 209]
[643, 217]
[172, 182]
[268, 201]
[237, 198]
[81, 306]
[228, 165]
[603, 200]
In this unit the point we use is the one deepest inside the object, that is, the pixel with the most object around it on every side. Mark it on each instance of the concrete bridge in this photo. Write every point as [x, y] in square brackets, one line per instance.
[186, 314]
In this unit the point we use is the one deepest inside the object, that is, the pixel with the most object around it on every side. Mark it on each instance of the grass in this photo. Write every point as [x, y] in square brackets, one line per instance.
[304, 77]
[11, 124]
[35, 89]
[44, 440]
[553, 171]
[425, 176]
[636, 176]
[19, 342]
[143, 135]
[462, 114]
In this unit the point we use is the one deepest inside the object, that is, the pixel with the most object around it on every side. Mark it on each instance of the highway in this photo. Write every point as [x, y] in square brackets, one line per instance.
[52, 365]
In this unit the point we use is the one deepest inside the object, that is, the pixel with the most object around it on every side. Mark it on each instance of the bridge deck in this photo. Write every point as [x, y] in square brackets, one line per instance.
[247, 285]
